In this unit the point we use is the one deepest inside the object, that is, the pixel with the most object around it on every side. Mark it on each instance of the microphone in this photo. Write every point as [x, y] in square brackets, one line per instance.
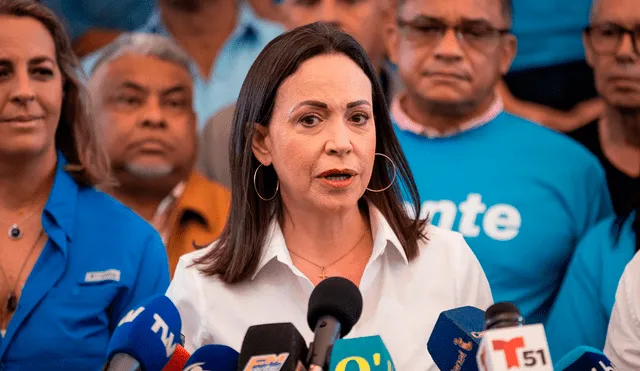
[455, 339]
[145, 338]
[584, 358]
[335, 306]
[178, 359]
[364, 353]
[507, 344]
[213, 357]
[275, 346]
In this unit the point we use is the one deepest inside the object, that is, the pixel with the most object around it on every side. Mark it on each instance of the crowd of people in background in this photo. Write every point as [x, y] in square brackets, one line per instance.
[522, 136]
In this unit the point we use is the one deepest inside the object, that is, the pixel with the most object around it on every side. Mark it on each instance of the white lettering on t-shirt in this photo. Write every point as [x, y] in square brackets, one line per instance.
[500, 222]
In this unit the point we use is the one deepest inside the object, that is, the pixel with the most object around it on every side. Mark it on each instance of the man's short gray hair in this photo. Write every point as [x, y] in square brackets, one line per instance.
[143, 44]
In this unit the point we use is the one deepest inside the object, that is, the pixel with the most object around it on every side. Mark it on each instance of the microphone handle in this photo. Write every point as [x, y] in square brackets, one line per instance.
[122, 362]
[326, 333]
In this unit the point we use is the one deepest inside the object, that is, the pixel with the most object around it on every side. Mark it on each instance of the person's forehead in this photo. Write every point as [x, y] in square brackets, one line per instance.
[616, 11]
[454, 10]
[147, 71]
[328, 78]
[26, 34]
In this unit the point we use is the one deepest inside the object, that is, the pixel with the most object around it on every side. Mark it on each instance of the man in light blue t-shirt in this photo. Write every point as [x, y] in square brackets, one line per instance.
[521, 194]
[223, 38]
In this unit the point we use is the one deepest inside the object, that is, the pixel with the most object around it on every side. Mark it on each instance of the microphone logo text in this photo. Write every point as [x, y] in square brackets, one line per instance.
[363, 364]
[131, 315]
[510, 348]
[468, 346]
[166, 337]
[266, 362]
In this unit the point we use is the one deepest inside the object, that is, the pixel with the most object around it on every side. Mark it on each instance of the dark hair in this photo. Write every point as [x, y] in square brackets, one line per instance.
[239, 248]
[76, 136]
[507, 8]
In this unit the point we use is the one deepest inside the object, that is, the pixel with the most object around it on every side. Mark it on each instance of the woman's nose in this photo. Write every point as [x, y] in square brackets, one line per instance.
[339, 141]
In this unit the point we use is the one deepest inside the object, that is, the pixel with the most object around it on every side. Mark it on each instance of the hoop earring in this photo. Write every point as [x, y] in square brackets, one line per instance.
[394, 174]
[255, 187]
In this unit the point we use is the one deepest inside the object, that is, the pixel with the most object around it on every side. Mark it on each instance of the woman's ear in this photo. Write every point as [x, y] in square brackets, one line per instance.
[260, 144]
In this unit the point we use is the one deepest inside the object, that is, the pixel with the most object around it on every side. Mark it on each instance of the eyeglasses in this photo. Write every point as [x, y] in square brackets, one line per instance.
[606, 39]
[479, 36]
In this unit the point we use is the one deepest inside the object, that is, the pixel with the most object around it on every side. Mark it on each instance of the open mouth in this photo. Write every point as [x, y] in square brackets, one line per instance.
[338, 177]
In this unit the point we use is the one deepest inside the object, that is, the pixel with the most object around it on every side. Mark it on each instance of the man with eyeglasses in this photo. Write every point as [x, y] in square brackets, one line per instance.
[521, 194]
[612, 45]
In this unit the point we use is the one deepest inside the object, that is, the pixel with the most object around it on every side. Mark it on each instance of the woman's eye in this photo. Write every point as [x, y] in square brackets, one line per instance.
[309, 120]
[360, 118]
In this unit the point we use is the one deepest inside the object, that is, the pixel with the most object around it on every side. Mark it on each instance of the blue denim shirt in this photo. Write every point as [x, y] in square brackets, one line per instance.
[222, 87]
[101, 260]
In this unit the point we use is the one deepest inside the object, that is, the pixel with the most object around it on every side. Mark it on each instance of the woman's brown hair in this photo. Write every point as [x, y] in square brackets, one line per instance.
[76, 136]
[237, 254]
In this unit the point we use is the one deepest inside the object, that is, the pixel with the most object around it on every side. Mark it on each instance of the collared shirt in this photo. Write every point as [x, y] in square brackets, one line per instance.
[402, 299]
[228, 71]
[404, 122]
[101, 260]
[197, 216]
[162, 218]
[623, 337]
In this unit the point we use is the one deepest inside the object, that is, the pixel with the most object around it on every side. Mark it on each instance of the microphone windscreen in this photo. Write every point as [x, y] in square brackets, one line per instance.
[364, 353]
[584, 358]
[213, 357]
[277, 346]
[178, 359]
[149, 334]
[337, 297]
[455, 338]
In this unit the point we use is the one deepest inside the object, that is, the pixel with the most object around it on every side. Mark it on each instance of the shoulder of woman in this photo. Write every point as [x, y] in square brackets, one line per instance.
[441, 238]
[187, 260]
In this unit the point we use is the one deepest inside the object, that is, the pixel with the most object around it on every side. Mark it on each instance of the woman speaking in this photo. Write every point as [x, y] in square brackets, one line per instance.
[317, 182]
[73, 261]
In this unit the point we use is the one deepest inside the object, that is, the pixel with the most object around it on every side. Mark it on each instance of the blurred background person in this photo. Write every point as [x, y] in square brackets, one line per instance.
[362, 19]
[221, 37]
[612, 44]
[94, 24]
[521, 194]
[581, 313]
[582, 310]
[143, 103]
[622, 346]
[549, 81]
[74, 260]
[316, 192]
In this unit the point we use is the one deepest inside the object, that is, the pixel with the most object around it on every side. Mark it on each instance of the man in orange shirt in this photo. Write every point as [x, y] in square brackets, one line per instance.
[142, 91]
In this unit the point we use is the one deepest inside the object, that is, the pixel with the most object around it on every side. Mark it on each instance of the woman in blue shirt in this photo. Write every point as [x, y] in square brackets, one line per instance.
[73, 259]
[581, 312]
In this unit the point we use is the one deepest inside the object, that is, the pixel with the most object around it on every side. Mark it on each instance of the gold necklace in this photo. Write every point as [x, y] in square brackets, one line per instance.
[323, 268]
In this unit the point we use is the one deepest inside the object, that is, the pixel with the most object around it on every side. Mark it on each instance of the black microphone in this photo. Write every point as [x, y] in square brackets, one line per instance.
[274, 346]
[335, 306]
[502, 315]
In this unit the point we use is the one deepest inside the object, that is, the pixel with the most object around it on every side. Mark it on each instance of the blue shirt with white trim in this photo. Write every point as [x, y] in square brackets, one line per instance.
[522, 196]
[100, 260]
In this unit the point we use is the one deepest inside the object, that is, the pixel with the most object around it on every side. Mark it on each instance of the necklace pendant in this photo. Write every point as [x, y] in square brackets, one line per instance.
[15, 233]
[323, 275]
[12, 303]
